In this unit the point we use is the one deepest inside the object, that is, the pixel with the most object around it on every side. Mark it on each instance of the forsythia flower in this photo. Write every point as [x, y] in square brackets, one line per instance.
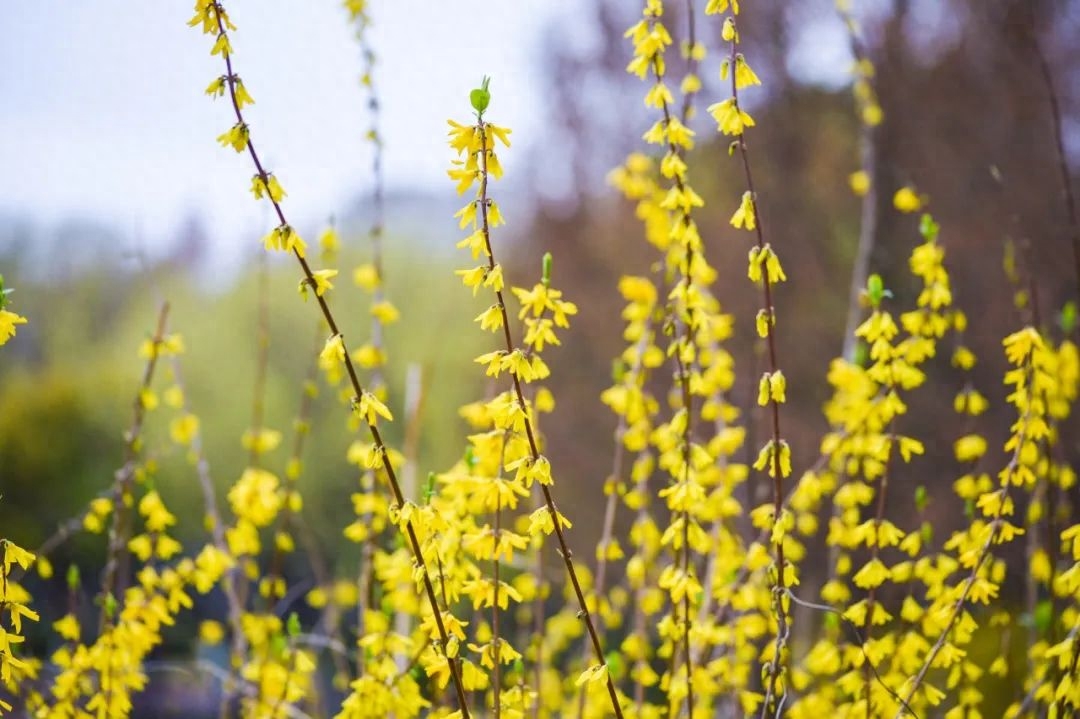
[285, 239]
[906, 200]
[322, 282]
[860, 182]
[744, 216]
[8, 320]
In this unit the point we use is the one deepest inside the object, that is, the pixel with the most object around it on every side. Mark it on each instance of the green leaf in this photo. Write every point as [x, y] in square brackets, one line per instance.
[928, 228]
[1043, 616]
[1068, 317]
[480, 97]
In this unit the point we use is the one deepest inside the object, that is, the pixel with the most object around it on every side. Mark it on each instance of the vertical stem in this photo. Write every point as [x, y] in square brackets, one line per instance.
[534, 449]
[354, 380]
[114, 580]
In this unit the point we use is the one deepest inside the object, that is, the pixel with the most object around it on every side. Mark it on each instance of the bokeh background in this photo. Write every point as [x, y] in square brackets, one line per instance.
[114, 196]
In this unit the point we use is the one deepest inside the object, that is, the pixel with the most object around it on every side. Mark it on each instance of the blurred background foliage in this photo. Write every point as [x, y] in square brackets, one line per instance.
[967, 123]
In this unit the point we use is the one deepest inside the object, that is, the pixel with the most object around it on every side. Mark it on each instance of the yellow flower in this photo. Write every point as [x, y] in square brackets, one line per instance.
[269, 186]
[210, 632]
[235, 137]
[385, 312]
[366, 277]
[333, 353]
[744, 76]
[744, 216]
[243, 97]
[8, 320]
[183, 429]
[467, 215]
[285, 239]
[765, 257]
[68, 628]
[216, 88]
[905, 200]
[368, 406]
[860, 182]
[261, 440]
[502, 134]
[491, 318]
[872, 575]
[770, 456]
[322, 282]
[221, 46]
[14, 554]
[728, 31]
[730, 119]
[328, 240]
[369, 356]
[594, 674]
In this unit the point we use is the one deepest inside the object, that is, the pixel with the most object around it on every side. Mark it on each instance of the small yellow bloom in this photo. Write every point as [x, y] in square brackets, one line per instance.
[322, 282]
[235, 137]
[268, 186]
[333, 353]
[262, 440]
[369, 407]
[211, 633]
[183, 429]
[859, 182]
[385, 312]
[744, 216]
[8, 320]
[491, 318]
[744, 76]
[243, 97]
[728, 31]
[905, 200]
[216, 88]
[285, 239]
[730, 118]
[14, 554]
[366, 277]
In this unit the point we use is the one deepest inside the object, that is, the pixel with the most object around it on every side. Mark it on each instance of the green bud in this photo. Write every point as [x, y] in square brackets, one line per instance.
[832, 620]
[519, 667]
[927, 531]
[73, 579]
[920, 498]
[278, 645]
[1068, 317]
[546, 277]
[875, 289]
[862, 353]
[928, 228]
[615, 663]
[429, 492]
[292, 625]
[110, 605]
[480, 97]
[4, 293]
[470, 458]
[618, 370]
[1044, 616]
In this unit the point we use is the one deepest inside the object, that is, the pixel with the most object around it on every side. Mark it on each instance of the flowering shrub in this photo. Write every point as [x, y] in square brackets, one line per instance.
[694, 611]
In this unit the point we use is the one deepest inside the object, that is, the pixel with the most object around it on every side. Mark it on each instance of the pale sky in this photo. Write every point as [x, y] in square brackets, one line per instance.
[103, 113]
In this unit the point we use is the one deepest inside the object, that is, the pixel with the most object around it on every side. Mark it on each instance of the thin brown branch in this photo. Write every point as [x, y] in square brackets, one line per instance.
[354, 380]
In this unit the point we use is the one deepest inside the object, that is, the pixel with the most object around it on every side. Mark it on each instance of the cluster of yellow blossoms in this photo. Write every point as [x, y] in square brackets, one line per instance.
[452, 592]
[8, 319]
